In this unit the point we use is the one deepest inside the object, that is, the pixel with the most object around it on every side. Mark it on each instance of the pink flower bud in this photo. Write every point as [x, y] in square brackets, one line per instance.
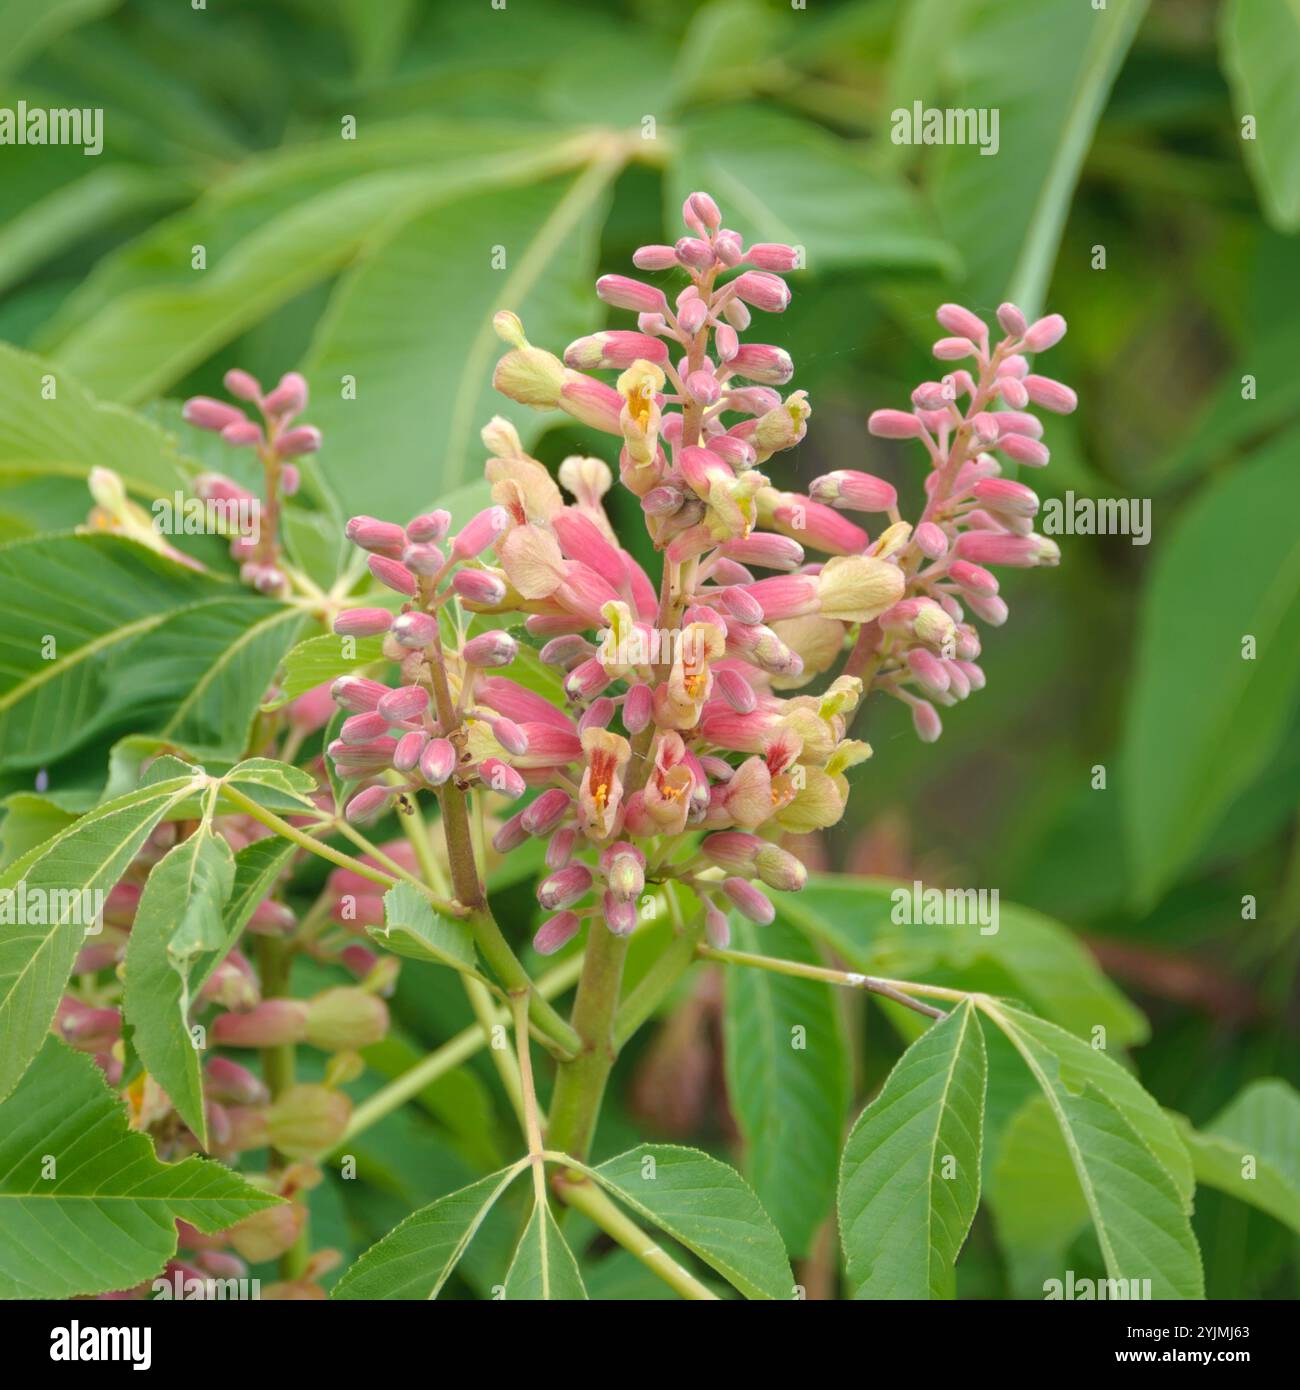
[741, 605]
[928, 670]
[786, 596]
[272, 1022]
[290, 480]
[894, 424]
[306, 1121]
[961, 322]
[1024, 450]
[762, 290]
[494, 648]
[368, 804]
[227, 1081]
[394, 575]
[268, 1233]
[597, 715]
[217, 487]
[1018, 422]
[242, 434]
[693, 252]
[361, 728]
[423, 560]
[1013, 392]
[85, 1028]
[818, 526]
[380, 537]
[438, 761]
[415, 630]
[564, 887]
[953, 349]
[926, 721]
[614, 349]
[750, 901]
[555, 932]
[479, 586]
[243, 385]
[619, 914]
[706, 211]
[637, 707]
[958, 685]
[726, 341]
[1051, 395]
[779, 869]
[625, 293]
[509, 735]
[1011, 320]
[767, 550]
[289, 397]
[930, 540]
[661, 501]
[732, 849]
[973, 579]
[406, 756]
[587, 680]
[998, 548]
[346, 1019]
[480, 532]
[500, 777]
[362, 622]
[208, 414]
[992, 610]
[565, 650]
[763, 363]
[729, 248]
[270, 918]
[306, 439]
[406, 702]
[735, 690]
[559, 848]
[429, 527]
[1044, 333]
[702, 387]
[856, 492]
[691, 315]
[1004, 495]
[544, 814]
[654, 258]
[772, 255]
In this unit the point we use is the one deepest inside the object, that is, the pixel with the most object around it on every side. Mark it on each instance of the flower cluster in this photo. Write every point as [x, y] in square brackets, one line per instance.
[675, 751]
[275, 441]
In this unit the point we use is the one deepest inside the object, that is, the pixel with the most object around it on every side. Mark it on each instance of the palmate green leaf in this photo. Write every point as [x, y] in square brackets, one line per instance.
[73, 433]
[275, 228]
[787, 1081]
[135, 638]
[1006, 212]
[1251, 1150]
[65, 874]
[780, 179]
[1260, 48]
[910, 1177]
[178, 922]
[104, 1218]
[1185, 761]
[543, 1267]
[315, 660]
[1037, 1203]
[413, 929]
[709, 1208]
[413, 325]
[415, 1259]
[1132, 1166]
[1029, 956]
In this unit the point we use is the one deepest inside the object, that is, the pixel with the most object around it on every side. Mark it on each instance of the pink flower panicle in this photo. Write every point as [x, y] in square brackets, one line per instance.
[676, 713]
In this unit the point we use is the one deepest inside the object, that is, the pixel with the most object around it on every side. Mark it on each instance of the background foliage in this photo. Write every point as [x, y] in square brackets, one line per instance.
[372, 258]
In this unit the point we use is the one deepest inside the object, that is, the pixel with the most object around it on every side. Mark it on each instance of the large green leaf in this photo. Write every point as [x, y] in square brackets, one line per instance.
[1132, 1166]
[1186, 759]
[910, 1179]
[788, 1082]
[415, 1259]
[179, 921]
[1261, 54]
[64, 875]
[779, 179]
[1030, 955]
[413, 325]
[543, 1266]
[100, 630]
[709, 1208]
[1007, 212]
[1251, 1150]
[85, 1206]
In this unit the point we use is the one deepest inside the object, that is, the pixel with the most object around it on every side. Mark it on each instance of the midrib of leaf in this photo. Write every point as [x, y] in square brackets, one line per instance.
[1107, 49]
[934, 1145]
[471, 1230]
[249, 634]
[530, 267]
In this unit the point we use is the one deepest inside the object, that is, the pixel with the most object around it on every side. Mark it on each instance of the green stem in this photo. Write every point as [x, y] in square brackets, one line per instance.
[658, 982]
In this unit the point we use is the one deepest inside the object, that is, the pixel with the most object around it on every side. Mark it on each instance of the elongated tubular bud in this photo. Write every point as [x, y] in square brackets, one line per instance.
[691, 315]
[362, 728]
[716, 926]
[732, 849]
[369, 803]
[1018, 422]
[662, 501]
[926, 721]
[415, 630]
[772, 255]
[208, 414]
[894, 424]
[692, 252]
[564, 887]
[997, 548]
[1051, 395]
[362, 622]
[509, 735]
[502, 778]
[931, 540]
[479, 586]
[1011, 320]
[357, 693]
[226, 1081]
[957, 320]
[545, 814]
[565, 650]
[928, 670]
[480, 532]
[380, 537]
[597, 715]
[556, 932]
[767, 550]
[242, 384]
[242, 434]
[1023, 450]
[406, 756]
[637, 708]
[762, 290]
[1044, 333]
[559, 848]
[511, 834]
[779, 869]
[737, 691]
[1013, 392]
[620, 915]
[973, 579]
[856, 492]
[762, 362]
[741, 605]
[394, 575]
[953, 349]
[490, 649]
[437, 761]
[429, 528]
[614, 348]
[750, 901]
[625, 293]
[271, 1023]
[654, 258]
[424, 559]
[785, 596]
[306, 439]
[1005, 495]
[406, 702]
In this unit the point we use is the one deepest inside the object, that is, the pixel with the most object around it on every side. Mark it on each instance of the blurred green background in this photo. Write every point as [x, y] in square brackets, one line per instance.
[1126, 194]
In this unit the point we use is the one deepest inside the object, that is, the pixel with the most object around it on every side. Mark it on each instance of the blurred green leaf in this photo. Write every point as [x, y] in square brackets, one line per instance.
[1260, 46]
[787, 1081]
[28, 26]
[1204, 717]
